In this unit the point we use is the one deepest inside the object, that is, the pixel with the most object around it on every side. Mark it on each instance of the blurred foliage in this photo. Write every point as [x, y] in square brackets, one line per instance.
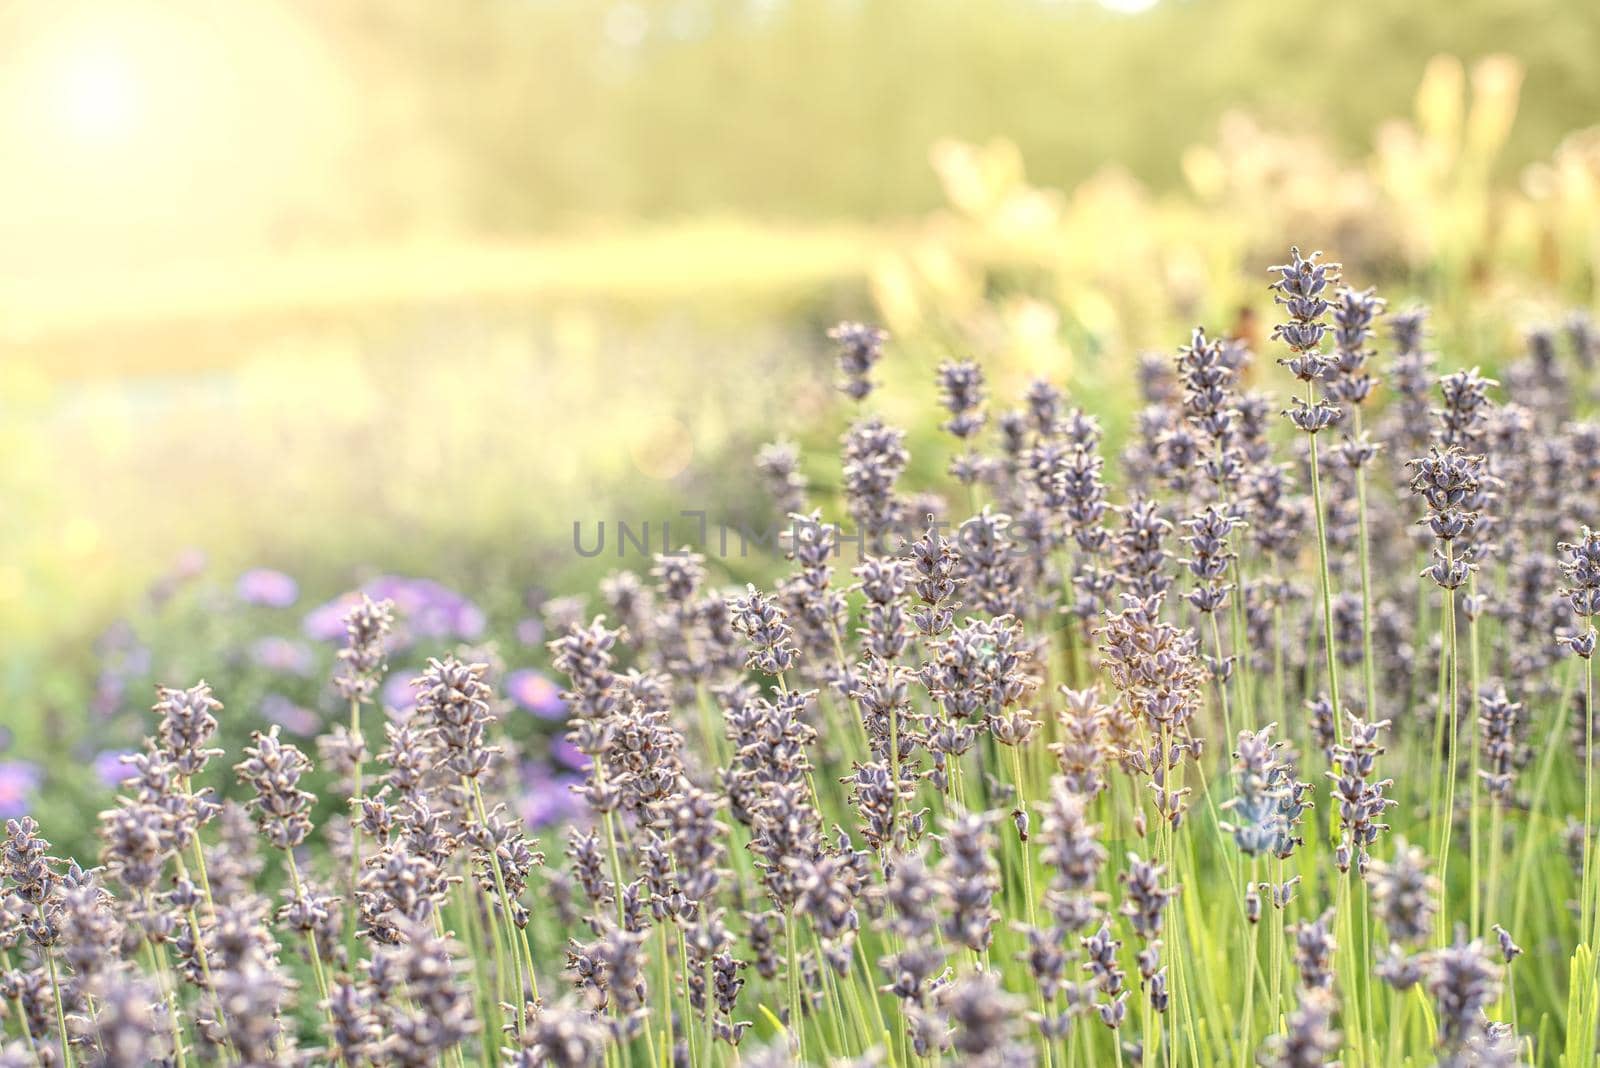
[446, 445]
[536, 113]
[1067, 284]
[450, 415]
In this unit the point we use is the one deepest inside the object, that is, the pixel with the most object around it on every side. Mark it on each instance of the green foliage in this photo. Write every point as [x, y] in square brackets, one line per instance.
[565, 110]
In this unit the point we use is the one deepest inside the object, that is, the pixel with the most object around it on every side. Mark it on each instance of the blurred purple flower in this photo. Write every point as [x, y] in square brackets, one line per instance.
[276, 708]
[429, 609]
[267, 587]
[424, 609]
[283, 655]
[547, 799]
[325, 623]
[123, 658]
[188, 566]
[568, 755]
[537, 694]
[120, 641]
[399, 694]
[18, 780]
[190, 563]
[108, 694]
[530, 632]
[111, 769]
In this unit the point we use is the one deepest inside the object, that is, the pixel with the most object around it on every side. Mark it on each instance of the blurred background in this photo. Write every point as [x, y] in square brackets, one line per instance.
[303, 295]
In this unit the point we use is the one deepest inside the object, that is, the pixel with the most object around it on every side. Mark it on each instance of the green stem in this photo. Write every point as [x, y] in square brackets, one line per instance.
[16, 1000]
[872, 999]
[796, 1020]
[1222, 687]
[1448, 714]
[1279, 921]
[464, 898]
[1247, 1019]
[506, 922]
[1326, 580]
[1475, 895]
[1541, 792]
[61, 1012]
[1369, 669]
[356, 793]
[169, 994]
[1027, 880]
[709, 1042]
[202, 957]
[1352, 978]
[1586, 752]
[666, 988]
[311, 942]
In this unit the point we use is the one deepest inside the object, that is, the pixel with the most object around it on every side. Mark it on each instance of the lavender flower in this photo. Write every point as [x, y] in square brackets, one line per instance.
[454, 702]
[1300, 290]
[1268, 802]
[188, 722]
[778, 464]
[273, 769]
[1310, 1040]
[1314, 947]
[366, 626]
[1361, 802]
[860, 349]
[1071, 848]
[1498, 717]
[971, 879]
[1463, 981]
[874, 458]
[764, 624]
[1405, 896]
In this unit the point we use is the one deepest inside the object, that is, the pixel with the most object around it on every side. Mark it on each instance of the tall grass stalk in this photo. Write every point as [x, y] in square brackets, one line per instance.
[1325, 580]
[1449, 703]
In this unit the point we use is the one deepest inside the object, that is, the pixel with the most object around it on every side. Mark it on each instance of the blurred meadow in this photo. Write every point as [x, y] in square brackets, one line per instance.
[353, 292]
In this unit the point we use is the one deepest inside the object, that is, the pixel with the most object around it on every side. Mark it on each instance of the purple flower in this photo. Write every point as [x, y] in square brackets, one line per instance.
[398, 693]
[111, 769]
[123, 658]
[530, 632]
[469, 620]
[107, 699]
[429, 609]
[18, 780]
[568, 755]
[536, 693]
[283, 655]
[188, 566]
[325, 623]
[276, 708]
[547, 799]
[423, 608]
[267, 587]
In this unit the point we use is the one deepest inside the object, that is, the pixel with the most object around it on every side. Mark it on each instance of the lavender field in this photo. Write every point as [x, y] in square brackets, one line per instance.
[681, 535]
[1259, 740]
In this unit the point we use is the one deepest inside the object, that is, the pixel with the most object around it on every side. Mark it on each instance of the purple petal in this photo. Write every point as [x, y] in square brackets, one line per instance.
[264, 586]
[18, 780]
[111, 769]
[537, 694]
